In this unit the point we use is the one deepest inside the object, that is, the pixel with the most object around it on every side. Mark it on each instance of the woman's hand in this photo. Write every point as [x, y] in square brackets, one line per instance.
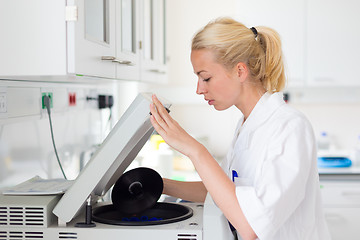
[172, 133]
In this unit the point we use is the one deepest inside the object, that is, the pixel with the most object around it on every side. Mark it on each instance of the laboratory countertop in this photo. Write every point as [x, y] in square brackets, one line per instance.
[346, 173]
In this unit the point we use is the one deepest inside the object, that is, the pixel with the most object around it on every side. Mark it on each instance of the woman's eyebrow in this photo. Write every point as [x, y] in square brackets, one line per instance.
[197, 73]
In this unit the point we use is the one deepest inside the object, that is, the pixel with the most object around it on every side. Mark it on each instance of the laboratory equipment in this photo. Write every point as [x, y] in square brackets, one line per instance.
[55, 216]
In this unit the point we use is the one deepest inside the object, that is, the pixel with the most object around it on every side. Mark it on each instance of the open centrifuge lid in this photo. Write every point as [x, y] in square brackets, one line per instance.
[111, 159]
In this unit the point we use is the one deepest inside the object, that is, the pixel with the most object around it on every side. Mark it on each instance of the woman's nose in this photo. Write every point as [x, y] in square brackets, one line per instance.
[200, 88]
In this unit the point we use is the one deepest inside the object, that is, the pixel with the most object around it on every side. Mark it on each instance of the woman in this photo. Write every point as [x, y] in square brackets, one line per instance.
[268, 186]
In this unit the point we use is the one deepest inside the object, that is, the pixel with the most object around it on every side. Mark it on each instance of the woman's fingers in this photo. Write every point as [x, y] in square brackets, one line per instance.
[157, 127]
[161, 110]
[160, 117]
[156, 118]
[168, 128]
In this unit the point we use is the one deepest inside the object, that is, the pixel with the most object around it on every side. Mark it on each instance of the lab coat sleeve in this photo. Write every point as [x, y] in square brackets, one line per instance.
[280, 184]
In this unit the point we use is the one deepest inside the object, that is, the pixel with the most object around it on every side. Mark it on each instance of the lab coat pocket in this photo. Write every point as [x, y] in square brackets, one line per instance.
[242, 182]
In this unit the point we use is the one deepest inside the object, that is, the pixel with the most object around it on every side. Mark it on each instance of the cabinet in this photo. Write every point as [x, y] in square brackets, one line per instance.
[343, 222]
[33, 41]
[153, 56]
[320, 38]
[128, 39]
[288, 19]
[91, 38]
[341, 200]
[333, 38]
[122, 39]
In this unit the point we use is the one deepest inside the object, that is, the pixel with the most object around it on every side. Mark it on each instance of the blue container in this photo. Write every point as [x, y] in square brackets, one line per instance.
[333, 162]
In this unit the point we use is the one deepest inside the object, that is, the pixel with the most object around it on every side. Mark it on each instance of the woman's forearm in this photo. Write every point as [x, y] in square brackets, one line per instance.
[221, 189]
[189, 191]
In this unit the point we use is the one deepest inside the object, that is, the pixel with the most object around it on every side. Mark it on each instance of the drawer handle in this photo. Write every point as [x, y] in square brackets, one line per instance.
[334, 218]
[157, 71]
[351, 194]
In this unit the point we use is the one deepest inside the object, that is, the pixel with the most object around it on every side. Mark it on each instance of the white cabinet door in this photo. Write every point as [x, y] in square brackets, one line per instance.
[32, 40]
[91, 39]
[333, 43]
[128, 37]
[153, 59]
[288, 19]
[343, 223]
[341, 201]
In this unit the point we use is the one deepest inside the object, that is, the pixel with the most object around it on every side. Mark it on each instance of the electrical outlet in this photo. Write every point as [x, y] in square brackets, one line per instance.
[3, 102]
[72, 98]
[50, 95]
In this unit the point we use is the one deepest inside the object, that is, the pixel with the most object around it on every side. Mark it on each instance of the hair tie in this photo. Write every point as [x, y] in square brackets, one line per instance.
[254, 31]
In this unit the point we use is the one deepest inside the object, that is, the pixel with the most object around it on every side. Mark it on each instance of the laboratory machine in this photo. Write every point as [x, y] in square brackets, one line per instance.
[81, 213]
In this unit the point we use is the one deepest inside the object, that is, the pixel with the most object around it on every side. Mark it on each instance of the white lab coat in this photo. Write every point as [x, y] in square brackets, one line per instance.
[273, 165]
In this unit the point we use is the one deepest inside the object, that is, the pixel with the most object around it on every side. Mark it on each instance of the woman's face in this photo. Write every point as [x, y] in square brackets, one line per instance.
[221, 87]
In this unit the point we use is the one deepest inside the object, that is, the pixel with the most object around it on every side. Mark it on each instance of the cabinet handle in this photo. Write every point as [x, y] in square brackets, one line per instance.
[124, 62]
[114, 59]
[157, 71]
[108, 58]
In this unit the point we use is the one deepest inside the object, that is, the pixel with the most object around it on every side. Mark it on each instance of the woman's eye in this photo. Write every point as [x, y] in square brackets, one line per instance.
[206, 80]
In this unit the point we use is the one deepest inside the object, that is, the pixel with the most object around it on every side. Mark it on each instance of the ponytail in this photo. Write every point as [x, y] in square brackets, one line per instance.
[274, 78]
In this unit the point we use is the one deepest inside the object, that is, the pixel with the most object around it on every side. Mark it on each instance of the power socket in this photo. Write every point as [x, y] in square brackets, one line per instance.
[50, 95]
[3, 102]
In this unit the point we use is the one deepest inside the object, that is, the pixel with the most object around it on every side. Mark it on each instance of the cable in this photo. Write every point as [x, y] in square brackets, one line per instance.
[1, 130]
[47, 105]
[109, 120]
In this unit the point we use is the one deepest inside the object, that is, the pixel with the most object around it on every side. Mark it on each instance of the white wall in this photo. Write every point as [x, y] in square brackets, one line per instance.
[26, 148]
[340, 121]
[214, 128]
[184, 19]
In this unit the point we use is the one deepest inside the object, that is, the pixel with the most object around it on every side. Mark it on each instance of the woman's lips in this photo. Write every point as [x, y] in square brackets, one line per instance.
[210, 102]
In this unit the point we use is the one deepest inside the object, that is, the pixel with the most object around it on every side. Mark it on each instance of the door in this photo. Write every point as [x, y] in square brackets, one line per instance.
[333, 37]
[128, 39]
[91, 39]
[153, 55]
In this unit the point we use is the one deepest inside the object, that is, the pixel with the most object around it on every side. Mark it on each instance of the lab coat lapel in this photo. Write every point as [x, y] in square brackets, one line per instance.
[265, 107]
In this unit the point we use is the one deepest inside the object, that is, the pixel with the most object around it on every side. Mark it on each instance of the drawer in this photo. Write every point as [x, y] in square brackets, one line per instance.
[343, 223]
[341, 194]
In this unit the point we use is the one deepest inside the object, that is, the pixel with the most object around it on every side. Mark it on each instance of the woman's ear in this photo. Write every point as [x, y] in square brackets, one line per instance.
[242, 71]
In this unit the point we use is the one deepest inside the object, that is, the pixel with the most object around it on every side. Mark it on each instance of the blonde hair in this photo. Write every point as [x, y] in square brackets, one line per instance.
[232, 42]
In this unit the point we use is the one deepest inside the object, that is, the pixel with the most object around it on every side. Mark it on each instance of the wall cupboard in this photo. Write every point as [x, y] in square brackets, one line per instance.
[320, 38]
[288, 19]
[333, 38]
[115, 39]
